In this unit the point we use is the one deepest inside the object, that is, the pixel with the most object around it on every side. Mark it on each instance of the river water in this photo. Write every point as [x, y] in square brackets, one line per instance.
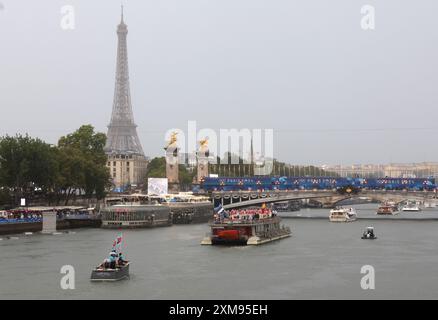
[321, 260]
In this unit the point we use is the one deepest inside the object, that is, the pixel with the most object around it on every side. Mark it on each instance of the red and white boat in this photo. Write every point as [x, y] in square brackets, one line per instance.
[388, 208]
[252, 226]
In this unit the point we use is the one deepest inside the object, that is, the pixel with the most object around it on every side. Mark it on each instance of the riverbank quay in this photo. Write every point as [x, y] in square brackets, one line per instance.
[22, 220]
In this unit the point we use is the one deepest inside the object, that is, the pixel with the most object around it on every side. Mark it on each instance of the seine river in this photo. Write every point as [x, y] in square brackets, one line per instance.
[321, 260]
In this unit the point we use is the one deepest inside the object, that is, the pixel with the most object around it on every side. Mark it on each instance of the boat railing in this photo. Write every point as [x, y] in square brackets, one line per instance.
[80, 216]
[245, 222]
[274, 232]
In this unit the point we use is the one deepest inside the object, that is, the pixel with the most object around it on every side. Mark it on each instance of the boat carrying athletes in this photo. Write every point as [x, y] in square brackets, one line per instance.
[251, 226]
[114, 267]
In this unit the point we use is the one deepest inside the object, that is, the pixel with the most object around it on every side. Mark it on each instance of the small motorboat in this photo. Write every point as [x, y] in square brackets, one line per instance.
[101, 273]
[115, 267]
[369, 234]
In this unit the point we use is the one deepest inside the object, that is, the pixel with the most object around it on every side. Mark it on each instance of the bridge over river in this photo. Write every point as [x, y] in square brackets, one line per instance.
[328, 198]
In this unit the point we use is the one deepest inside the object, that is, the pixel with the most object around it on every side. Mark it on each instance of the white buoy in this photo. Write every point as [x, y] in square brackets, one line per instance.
[28, 233]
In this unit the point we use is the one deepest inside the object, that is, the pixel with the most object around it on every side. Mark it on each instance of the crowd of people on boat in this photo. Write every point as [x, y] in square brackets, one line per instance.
[68, 213]
[15, 216]
[244, 215]
[30, 216]
[114, 260]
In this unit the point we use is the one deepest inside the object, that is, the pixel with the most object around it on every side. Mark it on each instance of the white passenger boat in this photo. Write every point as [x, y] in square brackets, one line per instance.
[343, 215]
[411, 207]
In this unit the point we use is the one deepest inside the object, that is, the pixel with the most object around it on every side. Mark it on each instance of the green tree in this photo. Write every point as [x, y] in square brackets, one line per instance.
[70, 178]
[157, 169]
[82, 163]
[26, 164]
[5, 197]
[186, 176]
[77, 164]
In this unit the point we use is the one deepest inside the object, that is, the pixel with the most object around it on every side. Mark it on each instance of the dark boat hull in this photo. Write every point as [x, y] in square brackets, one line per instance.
[110, 274]
[228, 242]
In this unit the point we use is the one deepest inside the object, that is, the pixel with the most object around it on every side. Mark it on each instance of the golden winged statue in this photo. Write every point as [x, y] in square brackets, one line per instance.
[173, 140]
[203, 147]
[203, 142]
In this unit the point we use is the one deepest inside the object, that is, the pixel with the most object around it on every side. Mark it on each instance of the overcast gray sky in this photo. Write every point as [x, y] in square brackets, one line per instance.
[332, 92]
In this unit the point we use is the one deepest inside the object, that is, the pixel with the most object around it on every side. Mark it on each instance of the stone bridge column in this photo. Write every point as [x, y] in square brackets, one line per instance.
[49, 222]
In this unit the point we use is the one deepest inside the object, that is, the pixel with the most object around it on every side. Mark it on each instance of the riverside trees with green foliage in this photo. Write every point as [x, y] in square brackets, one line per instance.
[26, 165]
[29, 167]
[82, 164]
[157, 169]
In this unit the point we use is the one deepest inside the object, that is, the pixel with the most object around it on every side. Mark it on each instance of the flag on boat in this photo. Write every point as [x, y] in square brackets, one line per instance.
[221, 211]
[117, 244]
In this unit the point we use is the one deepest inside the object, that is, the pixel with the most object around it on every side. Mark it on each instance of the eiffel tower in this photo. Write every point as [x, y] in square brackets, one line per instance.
[122, 135]
[126, 160]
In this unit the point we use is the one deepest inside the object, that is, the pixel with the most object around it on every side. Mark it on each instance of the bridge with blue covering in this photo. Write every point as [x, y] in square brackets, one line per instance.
[210, 184]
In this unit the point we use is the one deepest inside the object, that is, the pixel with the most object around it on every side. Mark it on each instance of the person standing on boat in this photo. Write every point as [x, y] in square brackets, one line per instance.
[121, 261]
[112, 260]
[106, 263]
